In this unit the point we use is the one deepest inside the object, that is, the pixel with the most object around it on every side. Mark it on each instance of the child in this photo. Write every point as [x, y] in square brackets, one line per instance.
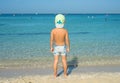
[60, 40]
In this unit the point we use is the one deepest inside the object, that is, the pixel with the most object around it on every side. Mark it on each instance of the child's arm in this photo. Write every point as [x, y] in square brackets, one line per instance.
[51, 41]
[67, 41]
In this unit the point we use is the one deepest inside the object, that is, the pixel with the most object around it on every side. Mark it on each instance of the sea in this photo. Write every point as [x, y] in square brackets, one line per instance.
[24, 36]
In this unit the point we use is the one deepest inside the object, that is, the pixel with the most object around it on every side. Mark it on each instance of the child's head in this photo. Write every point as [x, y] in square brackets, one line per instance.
[59, 21]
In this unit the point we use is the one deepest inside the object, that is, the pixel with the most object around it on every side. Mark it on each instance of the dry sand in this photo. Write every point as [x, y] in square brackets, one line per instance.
[75, 78]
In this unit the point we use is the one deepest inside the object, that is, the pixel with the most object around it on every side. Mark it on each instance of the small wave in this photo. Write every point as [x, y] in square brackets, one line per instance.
[40, 33]
[2, 24]
[115, 19]
[79, 32]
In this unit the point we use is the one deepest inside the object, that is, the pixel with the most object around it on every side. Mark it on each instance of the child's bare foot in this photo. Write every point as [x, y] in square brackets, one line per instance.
[65, 75]
[55, 76]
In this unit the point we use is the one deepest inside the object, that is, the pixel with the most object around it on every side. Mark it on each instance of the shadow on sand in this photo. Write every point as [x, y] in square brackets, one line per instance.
[72, 64]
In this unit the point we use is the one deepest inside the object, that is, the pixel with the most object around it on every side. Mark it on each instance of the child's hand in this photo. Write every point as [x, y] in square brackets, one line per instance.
[52, 49]
[68, 50]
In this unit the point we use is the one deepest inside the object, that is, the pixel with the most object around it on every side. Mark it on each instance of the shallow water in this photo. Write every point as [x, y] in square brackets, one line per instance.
[27, 36]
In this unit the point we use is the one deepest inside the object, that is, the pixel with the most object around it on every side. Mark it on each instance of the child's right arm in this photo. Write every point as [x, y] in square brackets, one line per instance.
[51, 41]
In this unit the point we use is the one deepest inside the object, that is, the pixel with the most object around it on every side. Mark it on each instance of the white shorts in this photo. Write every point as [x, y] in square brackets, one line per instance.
[60, 50]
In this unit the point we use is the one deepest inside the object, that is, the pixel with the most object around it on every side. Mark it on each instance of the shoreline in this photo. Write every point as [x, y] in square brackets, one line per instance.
[43, 62]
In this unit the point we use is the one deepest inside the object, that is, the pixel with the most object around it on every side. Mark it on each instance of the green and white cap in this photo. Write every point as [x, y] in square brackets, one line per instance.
[59, 21]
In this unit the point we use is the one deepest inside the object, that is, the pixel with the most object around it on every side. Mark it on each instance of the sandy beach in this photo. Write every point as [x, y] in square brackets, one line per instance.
[86, 74]
[82, 78]
[91, 70]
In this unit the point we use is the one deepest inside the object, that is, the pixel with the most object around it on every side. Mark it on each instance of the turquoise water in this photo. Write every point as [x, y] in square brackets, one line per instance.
[26, 36]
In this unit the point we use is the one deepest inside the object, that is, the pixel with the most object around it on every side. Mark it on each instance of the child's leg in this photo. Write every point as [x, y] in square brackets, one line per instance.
[56, 57]
[64, 61]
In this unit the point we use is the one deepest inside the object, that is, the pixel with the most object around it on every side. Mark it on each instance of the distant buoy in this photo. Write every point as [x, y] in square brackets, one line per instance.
[92, 17]
[88, 16]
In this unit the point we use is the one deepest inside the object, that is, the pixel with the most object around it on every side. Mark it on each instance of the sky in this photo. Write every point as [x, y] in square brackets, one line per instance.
[59, 6]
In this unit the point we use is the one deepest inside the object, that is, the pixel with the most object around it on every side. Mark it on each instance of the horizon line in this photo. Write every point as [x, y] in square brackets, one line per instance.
[58, 13]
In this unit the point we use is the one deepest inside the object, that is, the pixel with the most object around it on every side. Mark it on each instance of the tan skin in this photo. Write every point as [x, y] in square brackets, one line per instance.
[59, 36]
